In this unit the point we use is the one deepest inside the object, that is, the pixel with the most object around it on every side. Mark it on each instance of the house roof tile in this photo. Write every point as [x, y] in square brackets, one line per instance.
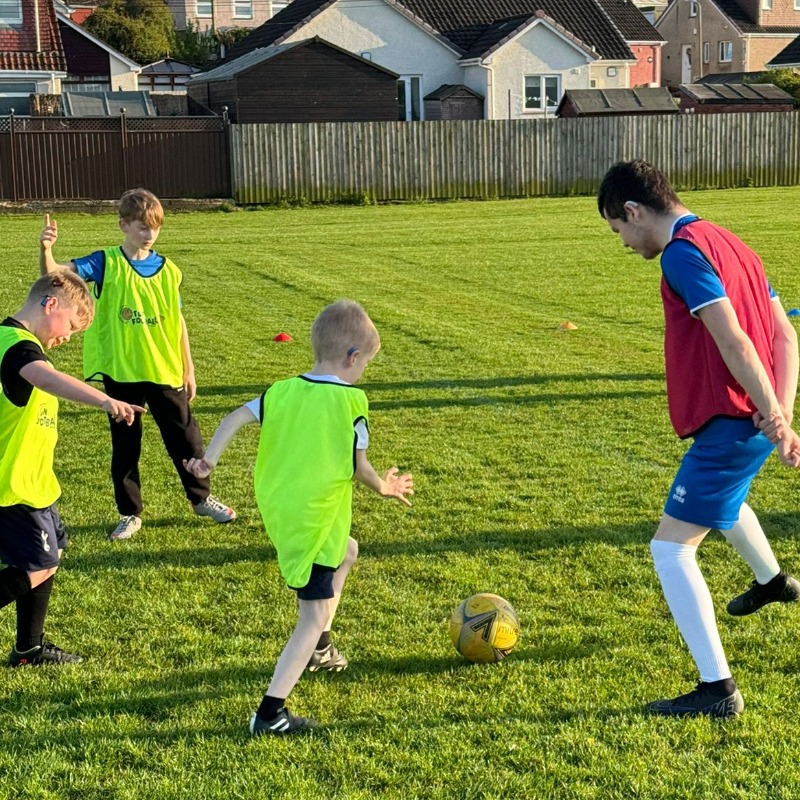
[741, 19]
[744, 93]
[18, 46]
[789, 56]
[475, 26]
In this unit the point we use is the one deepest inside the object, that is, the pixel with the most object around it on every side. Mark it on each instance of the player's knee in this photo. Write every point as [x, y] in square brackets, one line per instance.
[352, 551]
[315, 612]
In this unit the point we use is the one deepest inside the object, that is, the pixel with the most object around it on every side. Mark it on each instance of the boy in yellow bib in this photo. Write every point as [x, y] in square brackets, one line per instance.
[314, 438]
[32, 536]
[138, 347]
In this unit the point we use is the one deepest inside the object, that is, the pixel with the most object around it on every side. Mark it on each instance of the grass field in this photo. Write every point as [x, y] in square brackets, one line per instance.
[541, 462]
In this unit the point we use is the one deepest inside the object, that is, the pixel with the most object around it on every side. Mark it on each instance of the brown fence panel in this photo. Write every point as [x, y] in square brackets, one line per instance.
[53, 158]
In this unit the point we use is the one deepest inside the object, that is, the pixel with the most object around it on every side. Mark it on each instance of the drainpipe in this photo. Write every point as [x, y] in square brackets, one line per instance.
[36, 26]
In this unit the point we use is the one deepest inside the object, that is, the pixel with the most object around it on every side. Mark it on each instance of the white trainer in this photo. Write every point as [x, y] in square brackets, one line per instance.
[126, 527]
[211, 507]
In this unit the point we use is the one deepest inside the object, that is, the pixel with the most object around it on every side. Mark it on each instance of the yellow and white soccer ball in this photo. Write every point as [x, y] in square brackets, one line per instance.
[484, 628]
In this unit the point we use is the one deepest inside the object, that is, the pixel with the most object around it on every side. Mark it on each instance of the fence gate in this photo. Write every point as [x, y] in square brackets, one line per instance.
[98, 158]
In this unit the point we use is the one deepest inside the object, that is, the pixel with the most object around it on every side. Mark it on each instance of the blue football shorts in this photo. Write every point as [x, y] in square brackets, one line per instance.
[716, 472]
[30, 538]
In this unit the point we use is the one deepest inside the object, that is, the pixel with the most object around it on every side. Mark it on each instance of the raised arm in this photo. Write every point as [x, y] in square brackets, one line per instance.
[390, 484]
[203, 467]
[47, 239]
[44, 376]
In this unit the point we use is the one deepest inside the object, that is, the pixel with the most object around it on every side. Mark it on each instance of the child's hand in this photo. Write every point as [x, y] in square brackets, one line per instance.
[397, 486]
[198, 467]
[773, 427]
[49, 234]
[789, 448]
[121, 412]
[189, 385]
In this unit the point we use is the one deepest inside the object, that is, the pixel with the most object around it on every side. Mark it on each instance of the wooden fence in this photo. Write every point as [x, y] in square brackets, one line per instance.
[506, 158]
[98, 158]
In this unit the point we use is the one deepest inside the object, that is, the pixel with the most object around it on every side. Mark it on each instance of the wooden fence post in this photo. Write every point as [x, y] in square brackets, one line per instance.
[14, 193]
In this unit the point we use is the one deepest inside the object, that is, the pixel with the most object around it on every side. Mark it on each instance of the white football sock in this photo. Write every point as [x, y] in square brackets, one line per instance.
[751, 544]
[689, 600]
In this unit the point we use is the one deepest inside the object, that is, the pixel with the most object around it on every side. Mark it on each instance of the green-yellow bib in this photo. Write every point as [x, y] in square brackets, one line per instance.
[304, 472]
[136, 333]
[28, 438]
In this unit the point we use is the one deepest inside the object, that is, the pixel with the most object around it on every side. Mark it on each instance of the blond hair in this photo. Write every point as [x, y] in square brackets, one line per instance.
[70, 290]
[142, 206]
[341, 327]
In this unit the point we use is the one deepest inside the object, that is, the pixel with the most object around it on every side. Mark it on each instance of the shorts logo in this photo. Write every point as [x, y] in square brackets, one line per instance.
[45, 543]
[679, 494]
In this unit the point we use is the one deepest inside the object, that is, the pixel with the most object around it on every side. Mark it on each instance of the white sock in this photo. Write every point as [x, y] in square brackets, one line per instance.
[751, 544]
[689, 600]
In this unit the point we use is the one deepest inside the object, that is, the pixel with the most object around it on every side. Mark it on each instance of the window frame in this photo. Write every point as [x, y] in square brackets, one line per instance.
[237, 14]
[725, 45]
[408, 105]
[543, 108]
[203, 15]
[14, 19]
[706, 52]
[692, 8]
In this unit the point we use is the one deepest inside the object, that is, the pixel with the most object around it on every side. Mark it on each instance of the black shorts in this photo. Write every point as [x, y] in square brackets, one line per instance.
[30, 538]
[319, 586]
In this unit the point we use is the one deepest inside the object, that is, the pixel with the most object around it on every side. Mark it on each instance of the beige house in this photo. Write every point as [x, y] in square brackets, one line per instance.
[711, 37]
[214, 15]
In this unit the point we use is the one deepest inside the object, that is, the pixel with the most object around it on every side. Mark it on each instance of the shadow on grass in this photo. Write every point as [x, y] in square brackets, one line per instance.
[525, 542]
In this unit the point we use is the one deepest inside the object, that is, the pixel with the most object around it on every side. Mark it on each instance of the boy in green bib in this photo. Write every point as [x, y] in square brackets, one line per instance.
[32, 536]
[138, 347]
[314, 437]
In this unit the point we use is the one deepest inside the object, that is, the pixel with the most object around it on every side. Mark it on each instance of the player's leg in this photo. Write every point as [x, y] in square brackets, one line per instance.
[272, 715]
[706, 493]
[326, 658]
[38, 542]
[126, 449]
[183, 440]
[770, 585]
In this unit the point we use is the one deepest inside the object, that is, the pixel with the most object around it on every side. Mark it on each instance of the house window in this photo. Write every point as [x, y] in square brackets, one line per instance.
[243, 9]
[692, 8]
[409, 98]
[797, 5]
[542, 92]
[766, 5]
[11, 12]
[204, 8]
[16, 96]
[706, 52]
[725, 51]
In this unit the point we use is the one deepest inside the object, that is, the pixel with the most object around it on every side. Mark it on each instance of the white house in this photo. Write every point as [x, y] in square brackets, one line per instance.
[519, 55]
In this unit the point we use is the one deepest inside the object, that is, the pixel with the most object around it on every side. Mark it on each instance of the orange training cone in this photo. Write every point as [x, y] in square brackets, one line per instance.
[282, 337]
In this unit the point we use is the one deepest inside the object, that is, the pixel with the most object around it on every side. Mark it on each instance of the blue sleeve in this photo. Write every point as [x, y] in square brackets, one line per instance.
[690, 275]
[90, 267]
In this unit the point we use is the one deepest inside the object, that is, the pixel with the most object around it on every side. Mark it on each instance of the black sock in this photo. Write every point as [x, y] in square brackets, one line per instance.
[270, 706]
[31, 611]
[13, 584]
[324, 640]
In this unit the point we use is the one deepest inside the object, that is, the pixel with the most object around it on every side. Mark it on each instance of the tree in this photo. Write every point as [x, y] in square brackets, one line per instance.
[143, 30]
[201, 48]
[787, 79]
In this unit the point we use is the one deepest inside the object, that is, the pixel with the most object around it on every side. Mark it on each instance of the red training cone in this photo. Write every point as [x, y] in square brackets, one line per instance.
[282, 337]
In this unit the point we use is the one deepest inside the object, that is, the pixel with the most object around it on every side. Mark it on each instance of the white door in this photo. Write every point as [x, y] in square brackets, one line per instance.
[686, 63]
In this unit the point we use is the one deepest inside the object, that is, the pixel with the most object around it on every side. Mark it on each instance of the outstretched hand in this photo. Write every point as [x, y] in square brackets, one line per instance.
[397, 486]
[198, 467]
[121, 412]
[49, 233]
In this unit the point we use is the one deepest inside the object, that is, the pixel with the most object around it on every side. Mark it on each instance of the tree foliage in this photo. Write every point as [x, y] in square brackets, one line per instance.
[787, 79]
[202, 48]
[143, 30]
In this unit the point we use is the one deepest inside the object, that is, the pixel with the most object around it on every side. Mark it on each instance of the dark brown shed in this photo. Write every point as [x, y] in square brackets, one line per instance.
[453, 101]
[615, 102]
[719, 98]
[307, 81]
